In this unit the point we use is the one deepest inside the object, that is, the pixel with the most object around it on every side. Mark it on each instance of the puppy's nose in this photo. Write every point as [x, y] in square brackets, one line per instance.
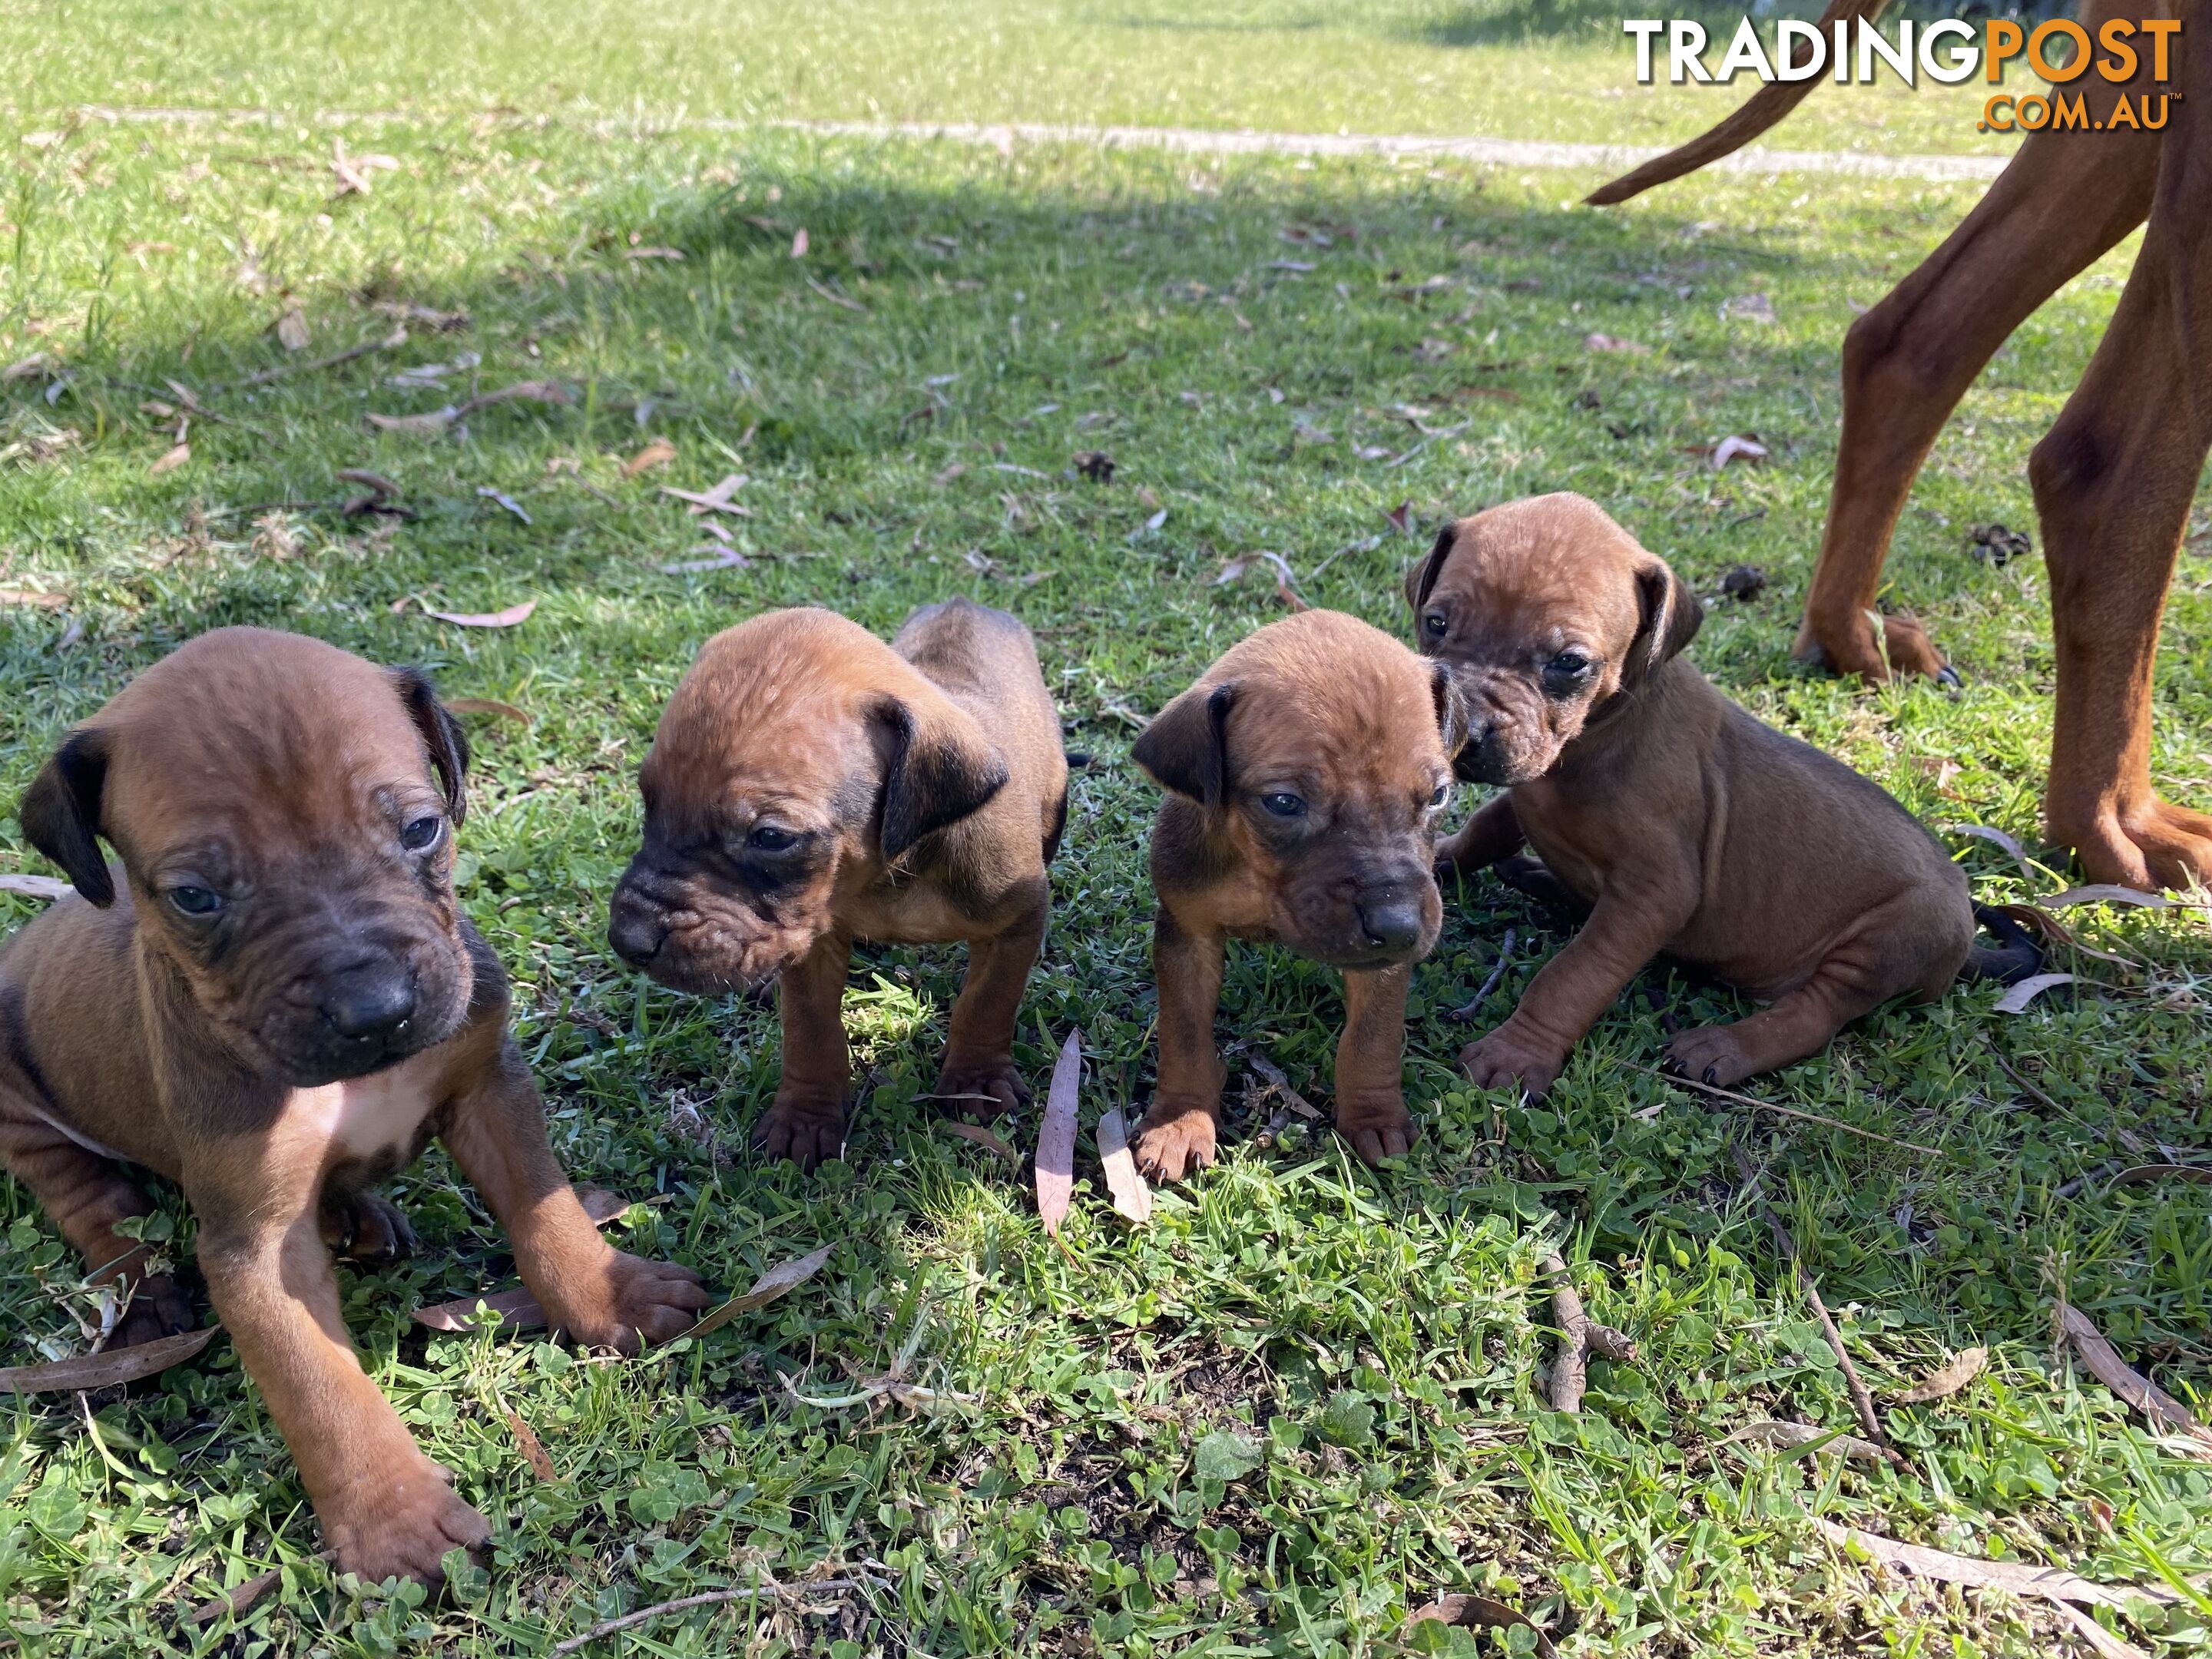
[1392, 924]
[635, 930]
[375, 1003]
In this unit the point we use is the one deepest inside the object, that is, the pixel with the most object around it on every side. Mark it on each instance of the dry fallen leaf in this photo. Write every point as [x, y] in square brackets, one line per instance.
[292, 331]
[984, 1138]
[2106, 893]
[1737, 449]
[1611, 343]
[1946, 1381]
[437, 421]
[719, 558]
[1132, 1197]
[1997, 838]
[1401, 518]
[533, 1448]
[2016, 1000]
[517, 1308]
[506, 618]
[1055, 1149]
[1751, 307]
[506, 711]
[37, 601]
[36, 365]
[106, 1369]
[1792, 1436]
[504, 500]
[2138, 1176]
[799, 244]
[658, 453]
[777, 1280]
[1477, 1612]
[170, 461]
[39, 887]
[716, 499]
[239, 1599]
[2021, 1577]
[2137, 1390]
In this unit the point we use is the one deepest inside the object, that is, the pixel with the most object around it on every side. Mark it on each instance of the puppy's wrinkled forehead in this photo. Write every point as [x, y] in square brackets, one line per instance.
[1551, 565]
[768, 718]
[270, 739]
[1325, 694]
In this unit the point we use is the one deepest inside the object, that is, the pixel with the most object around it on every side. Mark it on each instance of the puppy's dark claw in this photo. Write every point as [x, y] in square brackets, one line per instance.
[1946, 675]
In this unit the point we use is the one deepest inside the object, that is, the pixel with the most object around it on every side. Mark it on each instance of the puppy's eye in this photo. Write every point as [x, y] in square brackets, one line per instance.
[199, 902]
[1284, 805]
[1433, 624]
[423, 834]
[1442, 790]
[771, 838]
[1567, 664]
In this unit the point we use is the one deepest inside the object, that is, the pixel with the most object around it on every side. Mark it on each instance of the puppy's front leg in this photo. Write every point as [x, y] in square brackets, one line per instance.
[979, 1079]
[1178, 1133]
[385, 1508]
[496, 1130]
[1370, 1098]
[806, 1121]
[1493, 832]
[1625, 930]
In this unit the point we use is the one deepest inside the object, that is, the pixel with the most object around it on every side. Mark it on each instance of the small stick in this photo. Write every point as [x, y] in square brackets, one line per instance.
[390, 342]
[1274, 1073]
[683, 1603]
[1467, 1009]
[1570, 1370]
[1790, 1111]
[1861, 1401]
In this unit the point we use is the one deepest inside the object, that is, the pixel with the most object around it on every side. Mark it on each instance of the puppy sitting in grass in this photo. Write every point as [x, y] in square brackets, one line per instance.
[1304, 770]
[1687, 827]
[810, 786]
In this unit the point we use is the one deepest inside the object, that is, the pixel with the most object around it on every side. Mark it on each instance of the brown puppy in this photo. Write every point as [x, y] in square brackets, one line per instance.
[274, 1001]
[1305, 767]
[1685, 825]
[810, 786]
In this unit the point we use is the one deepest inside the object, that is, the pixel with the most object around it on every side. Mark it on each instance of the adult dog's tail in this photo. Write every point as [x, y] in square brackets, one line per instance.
[2016, 958]
[1773, 100]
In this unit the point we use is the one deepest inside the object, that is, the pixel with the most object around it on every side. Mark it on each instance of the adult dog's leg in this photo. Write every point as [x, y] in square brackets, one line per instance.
[2113, 483]
[2065, 198]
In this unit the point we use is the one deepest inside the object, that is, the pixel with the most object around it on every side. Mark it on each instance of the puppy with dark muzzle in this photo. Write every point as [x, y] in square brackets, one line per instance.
[1686, 826]
[810, 786]
[1305, 769]
[275, 1000]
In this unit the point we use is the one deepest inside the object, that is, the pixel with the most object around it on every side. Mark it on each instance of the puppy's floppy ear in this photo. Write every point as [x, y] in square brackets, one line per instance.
[939, 771]
[1423, 576]
[448, 746]
[1186, 748]
[1670, 616]
[60, 813]
[1453, 722]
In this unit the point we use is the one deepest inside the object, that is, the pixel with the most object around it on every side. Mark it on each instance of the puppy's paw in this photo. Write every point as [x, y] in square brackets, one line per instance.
[1174, 1143]
[981, 1088]
[634, 1303]
[1377, 1129]
[806, 1130]
[399, 1522]
[1511, 1054]
[159, 1308]
[368, 1228]
[1710, 1054]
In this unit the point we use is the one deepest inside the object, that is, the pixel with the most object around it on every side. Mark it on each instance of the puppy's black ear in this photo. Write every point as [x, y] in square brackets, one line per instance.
[448, 746]
[60, 813]
[1453, 721]
[1186, 748]
[1671, 616]
[940, 770]
[1423, 576]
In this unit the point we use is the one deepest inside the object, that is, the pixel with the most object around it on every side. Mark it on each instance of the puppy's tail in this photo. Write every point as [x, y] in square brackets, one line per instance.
[2015, 958]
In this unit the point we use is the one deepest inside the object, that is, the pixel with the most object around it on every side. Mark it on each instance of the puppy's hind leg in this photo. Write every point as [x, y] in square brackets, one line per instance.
[1891, 952]
[979, 1079]
[86, 1196]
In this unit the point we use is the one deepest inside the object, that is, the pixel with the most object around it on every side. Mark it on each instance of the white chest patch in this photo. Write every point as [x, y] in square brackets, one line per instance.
[367, 1116]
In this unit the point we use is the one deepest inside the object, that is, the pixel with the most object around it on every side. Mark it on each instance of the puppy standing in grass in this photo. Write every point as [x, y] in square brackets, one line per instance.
[276, 1001]
[1304, 770]
[809, 786]
[1687, 827]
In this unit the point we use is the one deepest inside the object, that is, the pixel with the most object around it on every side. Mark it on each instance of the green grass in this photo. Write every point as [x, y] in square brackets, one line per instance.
[1524, 69]
[1306, 1398]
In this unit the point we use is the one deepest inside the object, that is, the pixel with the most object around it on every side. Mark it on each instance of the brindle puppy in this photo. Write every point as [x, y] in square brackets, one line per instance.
[1305, 767]
[810, 786]
[276, 1002]
[1683, 824]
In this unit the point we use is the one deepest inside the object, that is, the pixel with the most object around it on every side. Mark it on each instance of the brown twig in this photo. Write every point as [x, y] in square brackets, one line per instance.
[390, 341]
[1790, 1111]
[1467, 1009]
[1861, 1401]
[1569, 1370]
[683, 1603]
